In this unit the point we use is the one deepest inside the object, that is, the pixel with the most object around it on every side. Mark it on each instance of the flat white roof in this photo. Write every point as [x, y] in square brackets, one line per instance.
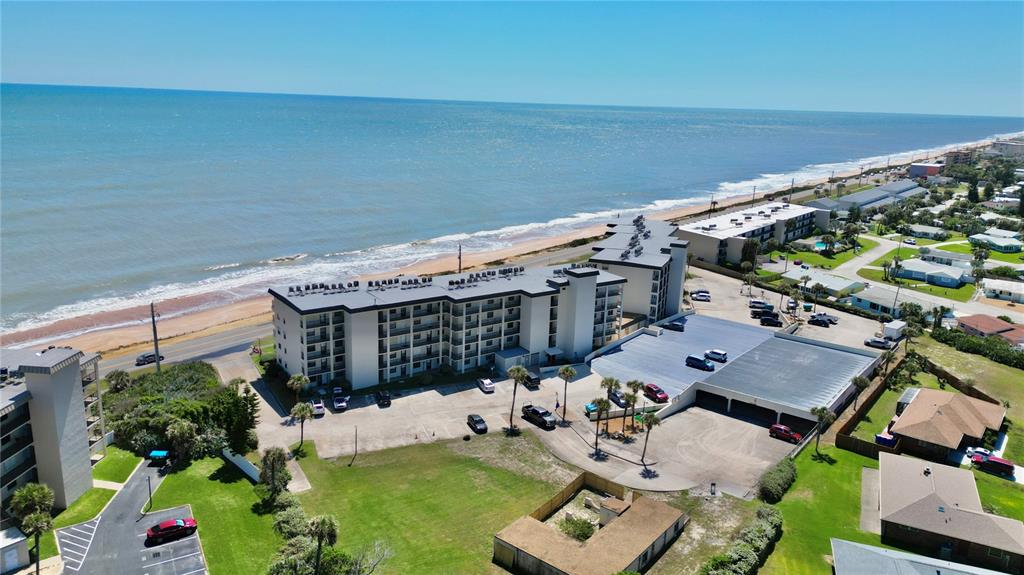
[737, 223]
[1003, 285]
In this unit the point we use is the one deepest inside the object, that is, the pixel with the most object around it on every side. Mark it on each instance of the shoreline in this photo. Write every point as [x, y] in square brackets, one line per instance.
[119, 330]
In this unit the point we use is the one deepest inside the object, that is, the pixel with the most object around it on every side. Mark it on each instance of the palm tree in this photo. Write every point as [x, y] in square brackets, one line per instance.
[649, 421]
[636, 387]
[861, 383]
[323, 529]
[302, 411]
[887, 356]
[603, 406]
[794, 294]
[885, 270]
[913, 330]
[825, 418]
[804, 279]
[119, 380]
[631, 399]
[850, 232]
[817, 290]
[566, 373]
[830, 242]
[297, 383]
[518, 374]
[32, 504]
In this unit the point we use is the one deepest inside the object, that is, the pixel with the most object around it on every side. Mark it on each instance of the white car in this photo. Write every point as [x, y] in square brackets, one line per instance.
[716, 355]
[318, 406]
[972, 451]
[910, 241]
[485, 385]
[701, 297]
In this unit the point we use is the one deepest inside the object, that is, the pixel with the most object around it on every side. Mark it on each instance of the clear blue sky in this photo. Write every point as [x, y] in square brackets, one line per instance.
[944, 58]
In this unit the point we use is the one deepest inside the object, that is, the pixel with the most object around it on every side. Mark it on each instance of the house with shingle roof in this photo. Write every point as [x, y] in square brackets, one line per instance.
[936, 509]
[937, 423]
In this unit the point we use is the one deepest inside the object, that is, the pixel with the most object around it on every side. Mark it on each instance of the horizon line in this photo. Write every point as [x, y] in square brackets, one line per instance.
[503, 102]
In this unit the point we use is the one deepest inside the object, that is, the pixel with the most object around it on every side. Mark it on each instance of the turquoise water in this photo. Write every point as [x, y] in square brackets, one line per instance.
[819, 245]
[115, 197]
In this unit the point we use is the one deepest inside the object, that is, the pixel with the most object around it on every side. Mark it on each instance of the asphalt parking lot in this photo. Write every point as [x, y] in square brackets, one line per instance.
[115, 542]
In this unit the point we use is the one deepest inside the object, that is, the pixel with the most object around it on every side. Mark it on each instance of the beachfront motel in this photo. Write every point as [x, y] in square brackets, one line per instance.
[719, 240]
[368, 333]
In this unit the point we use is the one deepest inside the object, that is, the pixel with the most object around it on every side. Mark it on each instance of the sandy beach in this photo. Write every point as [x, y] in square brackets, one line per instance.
[120, 331]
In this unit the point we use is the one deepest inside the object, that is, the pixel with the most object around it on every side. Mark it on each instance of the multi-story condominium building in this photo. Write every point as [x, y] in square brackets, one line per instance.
[720, 239]
[50, 417]
[652, 260]
[387, 330]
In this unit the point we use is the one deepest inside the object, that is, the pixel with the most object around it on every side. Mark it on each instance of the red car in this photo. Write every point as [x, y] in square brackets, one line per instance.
[655, 393]
[782, 432]
[993, 464]
[171, 529]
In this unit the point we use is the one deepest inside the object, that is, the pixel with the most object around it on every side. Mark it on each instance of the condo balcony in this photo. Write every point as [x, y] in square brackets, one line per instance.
[512, 316]
[89, 400]
[12, 425]
[491, 306]
[490, 321]
[317, 337]
[11, 448]
[426, 311]
[315, 323]
[425, 341]
[317, 354]
[426, 326]
[19, 470]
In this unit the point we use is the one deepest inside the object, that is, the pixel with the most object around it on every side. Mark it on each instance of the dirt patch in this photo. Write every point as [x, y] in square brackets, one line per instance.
[523, 455]
[578, 508]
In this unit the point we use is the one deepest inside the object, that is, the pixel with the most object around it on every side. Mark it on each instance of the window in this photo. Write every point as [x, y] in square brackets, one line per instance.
[993, 552]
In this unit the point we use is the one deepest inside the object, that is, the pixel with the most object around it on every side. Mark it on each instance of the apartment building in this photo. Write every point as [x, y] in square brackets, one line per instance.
[51, 415]
[720, 239]
[387, 330]
[652, 260]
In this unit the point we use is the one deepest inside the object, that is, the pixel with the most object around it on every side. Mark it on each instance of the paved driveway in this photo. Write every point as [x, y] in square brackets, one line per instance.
[115, 542]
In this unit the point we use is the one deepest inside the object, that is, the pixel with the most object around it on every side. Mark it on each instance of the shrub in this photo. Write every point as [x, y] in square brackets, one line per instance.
[576, 527]
[995, 348]
[775, 481]
[751, 547]
[290, 522]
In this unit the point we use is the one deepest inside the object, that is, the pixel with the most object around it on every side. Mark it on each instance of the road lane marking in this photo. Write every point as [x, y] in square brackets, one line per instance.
[169, 560]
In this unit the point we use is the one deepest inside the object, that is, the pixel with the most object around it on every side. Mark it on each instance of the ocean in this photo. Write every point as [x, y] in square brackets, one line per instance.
[113, 197]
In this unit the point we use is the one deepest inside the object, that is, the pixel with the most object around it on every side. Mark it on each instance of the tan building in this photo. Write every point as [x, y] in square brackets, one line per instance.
[936, 423]
[935, 509]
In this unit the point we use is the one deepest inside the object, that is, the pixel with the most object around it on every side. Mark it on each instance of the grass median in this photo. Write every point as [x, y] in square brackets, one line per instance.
[83, 509]
[116, 466]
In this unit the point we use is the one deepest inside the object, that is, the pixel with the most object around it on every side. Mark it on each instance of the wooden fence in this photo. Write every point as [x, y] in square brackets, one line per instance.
[586, 479]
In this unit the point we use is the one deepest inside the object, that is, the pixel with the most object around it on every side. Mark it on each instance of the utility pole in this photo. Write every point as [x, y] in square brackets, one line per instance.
[156, 344]
[830, 178]
[460, 257]
[711, 207]
[149, 482]
[753, 196]
[792, 182]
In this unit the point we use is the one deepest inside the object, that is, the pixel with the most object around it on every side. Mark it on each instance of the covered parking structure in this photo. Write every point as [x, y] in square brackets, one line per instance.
[786, 375]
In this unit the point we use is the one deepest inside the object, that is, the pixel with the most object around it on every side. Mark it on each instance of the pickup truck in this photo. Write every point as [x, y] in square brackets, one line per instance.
[538, 416]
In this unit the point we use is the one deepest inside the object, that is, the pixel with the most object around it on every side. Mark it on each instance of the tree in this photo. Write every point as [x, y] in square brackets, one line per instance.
[830, 243]
[274, 474]
[861, 383]
[183, 436]
[630, 399]
[887, 357]
[119, 380]
[817, 289]
[610, 384]
[603, 406]
[322, 529]
[297, 383]
[566, 373]
[978, 272]
[772, 245]
[35, 525]
[301, 412]
[32, 505]
[850, 233]
[972, 193]
[649, 421]
[825, 418]
[913, 330]
[751, 247]
[853, 214]
[990, 191]
[518, 374]
[636, 387]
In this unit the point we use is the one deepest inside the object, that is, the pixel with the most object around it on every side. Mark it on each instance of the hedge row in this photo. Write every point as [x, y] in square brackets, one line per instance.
[776, 480]
[995, 348]
[750, 549]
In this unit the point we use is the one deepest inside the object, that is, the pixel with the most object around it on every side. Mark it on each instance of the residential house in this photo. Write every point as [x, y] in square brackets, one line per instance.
[998, 243]
[935, 509]
[1001, 233]
[1004, 289]
[986, 326]
[942, 257]
[933, 273]
[929, 232]
[937, 424]
[924, 169]
[849, 558]
[836, 286]
[874, 198]
[884, 301]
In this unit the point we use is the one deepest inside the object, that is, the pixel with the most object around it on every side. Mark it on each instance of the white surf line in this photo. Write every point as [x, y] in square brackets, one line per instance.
[147, 565]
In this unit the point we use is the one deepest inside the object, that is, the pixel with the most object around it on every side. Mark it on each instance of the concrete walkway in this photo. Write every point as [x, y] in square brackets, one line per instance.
[103, 484]
[870, 519]
[274, 428]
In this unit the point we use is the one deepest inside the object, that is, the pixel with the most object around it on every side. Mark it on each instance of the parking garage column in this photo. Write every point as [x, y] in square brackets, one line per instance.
[728, 405]
[778, 417]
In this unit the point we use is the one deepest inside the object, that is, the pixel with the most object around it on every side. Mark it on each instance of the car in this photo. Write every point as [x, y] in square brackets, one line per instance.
[146, 359]
[383, 398]
[676, 325]
[772, 321]
[717, 355]
[476, 423]
[701, 290]
[757, 304]
[791, 304]
[820, 322]
[318, 406]
[910, 241]
[532, 380]
[763, 312]
[878, 343]
[779, 431]
[340, 399]
[993, 464]
[972, 451]
[701, 297]
[590, 408]
[655, 393]
[485, 385]
[699, 362]
[172, 529]
[832, 319]
[618, 398]
[538, 416]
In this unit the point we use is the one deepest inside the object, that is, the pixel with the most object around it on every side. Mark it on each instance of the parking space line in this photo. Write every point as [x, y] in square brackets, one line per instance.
[67, 542]
[169, 560]
[82, 530]
[66, 534]
[203, 570]
[79, 545]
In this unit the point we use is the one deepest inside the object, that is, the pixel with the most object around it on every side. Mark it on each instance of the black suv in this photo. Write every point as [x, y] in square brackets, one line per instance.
[147, 358]
[819, 321]
[772, 321]
[539, 416]
[383, 398]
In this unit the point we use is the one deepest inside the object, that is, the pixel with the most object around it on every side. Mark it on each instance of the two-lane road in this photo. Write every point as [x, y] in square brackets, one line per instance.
[200, 348]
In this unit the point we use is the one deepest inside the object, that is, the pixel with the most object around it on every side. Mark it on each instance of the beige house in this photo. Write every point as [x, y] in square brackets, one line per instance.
[936, 423]
[935, 509]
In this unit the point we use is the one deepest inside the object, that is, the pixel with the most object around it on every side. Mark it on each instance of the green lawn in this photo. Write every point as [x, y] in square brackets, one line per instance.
[818, 260]
[824, 502]
[438, 509]
[117, 466]
[885, 407]
[905, 252]
[965, 248]
[1000, 381]
[85, 508]
[962, 293]
[235, 539]
[1001, 496]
